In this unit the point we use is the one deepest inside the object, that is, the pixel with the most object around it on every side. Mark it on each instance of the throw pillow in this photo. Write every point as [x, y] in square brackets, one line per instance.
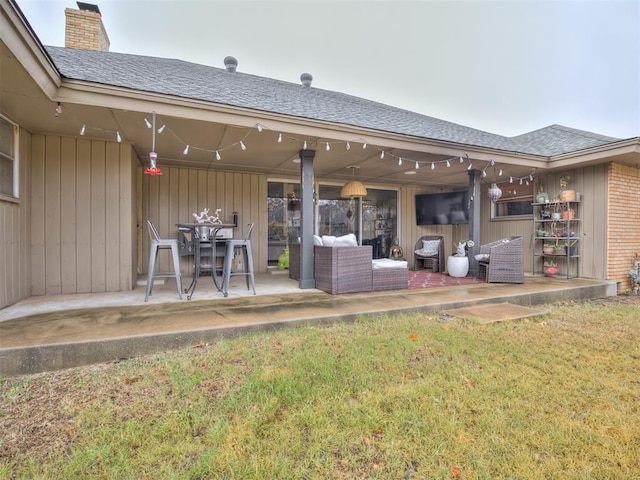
[317, 240]
[430, 247]
[482, 257]
[328, 240]
[348, 240]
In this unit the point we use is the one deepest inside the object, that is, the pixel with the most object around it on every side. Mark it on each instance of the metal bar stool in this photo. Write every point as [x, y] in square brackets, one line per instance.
[245, 245]
[157, 244]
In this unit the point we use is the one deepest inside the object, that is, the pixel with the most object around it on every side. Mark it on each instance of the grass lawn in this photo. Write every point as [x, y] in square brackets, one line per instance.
[394, 397]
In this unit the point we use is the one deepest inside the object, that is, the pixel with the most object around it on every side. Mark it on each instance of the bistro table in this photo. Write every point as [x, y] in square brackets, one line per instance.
[201, 240]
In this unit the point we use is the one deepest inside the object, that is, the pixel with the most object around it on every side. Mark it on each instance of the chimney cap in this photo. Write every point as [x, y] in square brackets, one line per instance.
[306, 79]
[230, 63]
[89, 7]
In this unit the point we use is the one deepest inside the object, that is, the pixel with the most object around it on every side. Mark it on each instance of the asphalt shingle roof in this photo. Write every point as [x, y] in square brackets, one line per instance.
[217, 85]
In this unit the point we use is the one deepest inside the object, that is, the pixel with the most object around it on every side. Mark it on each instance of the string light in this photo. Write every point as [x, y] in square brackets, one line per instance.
[260, 128]
[58, 110]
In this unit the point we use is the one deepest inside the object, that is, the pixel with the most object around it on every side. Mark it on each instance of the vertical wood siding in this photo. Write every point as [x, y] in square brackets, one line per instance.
[180, 192]
[15, 227]
[82, 199]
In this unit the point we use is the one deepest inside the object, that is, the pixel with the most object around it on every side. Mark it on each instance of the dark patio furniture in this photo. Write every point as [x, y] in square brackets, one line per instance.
[433, 262]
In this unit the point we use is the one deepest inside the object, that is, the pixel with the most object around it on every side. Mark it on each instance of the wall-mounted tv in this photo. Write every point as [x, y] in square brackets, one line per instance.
[450, 208]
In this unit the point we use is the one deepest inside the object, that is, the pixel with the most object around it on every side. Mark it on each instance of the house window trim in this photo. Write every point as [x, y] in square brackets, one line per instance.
[513, 199]
[15, 197]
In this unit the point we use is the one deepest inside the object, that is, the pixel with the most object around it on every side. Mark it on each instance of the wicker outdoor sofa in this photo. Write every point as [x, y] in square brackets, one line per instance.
[502, 261]
[343, 269]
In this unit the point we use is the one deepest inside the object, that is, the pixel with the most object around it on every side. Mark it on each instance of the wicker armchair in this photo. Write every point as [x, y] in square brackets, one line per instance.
[505, 263]
[434, 262]
[343, 269]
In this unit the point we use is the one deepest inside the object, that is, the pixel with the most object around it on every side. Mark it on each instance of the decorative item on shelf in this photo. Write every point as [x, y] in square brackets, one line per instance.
[558, 249]
[494, 192]
[548, 248]
[541, 232]
[461, 247]
[542, 196]
[545, 214]
[565, 194]
[550, 268]
[568, 214]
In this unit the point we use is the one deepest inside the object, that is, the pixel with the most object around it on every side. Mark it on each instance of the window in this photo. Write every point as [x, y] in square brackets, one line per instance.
[516, 201]
[8, 158]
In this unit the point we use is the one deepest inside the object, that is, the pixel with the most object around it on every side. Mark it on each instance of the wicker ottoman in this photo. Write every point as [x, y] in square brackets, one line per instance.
[390, 275]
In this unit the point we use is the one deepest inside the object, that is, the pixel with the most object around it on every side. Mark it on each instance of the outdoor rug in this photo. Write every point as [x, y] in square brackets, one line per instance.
[495, 312]
[427, 279]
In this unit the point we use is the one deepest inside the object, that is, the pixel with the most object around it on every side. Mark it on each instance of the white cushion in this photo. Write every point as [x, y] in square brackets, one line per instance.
[429, 248]
[482, 257]
[348, 240]
[328, 240]
[317, 240]
[388, 263]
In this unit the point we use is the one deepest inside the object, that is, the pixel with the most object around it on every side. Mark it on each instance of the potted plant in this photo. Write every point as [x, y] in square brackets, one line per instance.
[558, 249]
[461, 247]
[550, 268]
[548, 248]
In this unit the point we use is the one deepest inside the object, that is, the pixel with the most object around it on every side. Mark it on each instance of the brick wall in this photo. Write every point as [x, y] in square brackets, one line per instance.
[85, 30]
[623, 229]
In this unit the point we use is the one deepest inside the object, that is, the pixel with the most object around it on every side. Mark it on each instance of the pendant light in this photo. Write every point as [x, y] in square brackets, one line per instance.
[494, 192]
[354, 188]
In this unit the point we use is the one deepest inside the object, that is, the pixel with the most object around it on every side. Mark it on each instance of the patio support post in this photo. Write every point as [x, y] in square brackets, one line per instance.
[474, 219]
[307, 277]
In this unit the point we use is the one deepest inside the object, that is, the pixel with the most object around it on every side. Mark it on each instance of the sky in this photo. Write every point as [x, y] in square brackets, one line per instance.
[503, 66]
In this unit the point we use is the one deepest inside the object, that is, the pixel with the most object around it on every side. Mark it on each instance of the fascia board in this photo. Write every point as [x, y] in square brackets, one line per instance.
[26, 47]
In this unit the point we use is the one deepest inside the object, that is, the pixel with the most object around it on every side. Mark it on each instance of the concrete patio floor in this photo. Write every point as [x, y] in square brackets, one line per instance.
[48, 333]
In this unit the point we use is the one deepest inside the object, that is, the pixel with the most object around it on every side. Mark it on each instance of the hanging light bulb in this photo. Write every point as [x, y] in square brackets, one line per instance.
[279, 138]
[399, 160]
[304, 145]
[118, 137]
[494, 192]
[161, 129]
[328, 147]
[531, 178]
[217, 155]
[484, 173]
[83, 129]
[510, 179]
[381, 154]
[259, 127]
[469, 167]
[492, 162]
[364, 145]
[148, 123]
[448, 163]
[433, 166]
[500, 173]
[186, 150]
[461, 160]
[242, 145]
[58, 110]
[417, 165]
[348, 146]
[520, 181]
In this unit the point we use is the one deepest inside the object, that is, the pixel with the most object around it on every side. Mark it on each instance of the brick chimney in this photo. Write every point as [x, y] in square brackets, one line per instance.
[84, 28]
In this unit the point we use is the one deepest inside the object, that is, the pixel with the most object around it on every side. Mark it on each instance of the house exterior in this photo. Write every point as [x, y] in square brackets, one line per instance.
[76, 140]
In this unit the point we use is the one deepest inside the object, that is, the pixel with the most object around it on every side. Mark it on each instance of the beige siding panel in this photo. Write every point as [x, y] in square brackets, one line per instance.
[37, 216]
[112, 217]
[127, 218]
[83, 216]
[98, 217]
[52, 225]
[68, 220]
